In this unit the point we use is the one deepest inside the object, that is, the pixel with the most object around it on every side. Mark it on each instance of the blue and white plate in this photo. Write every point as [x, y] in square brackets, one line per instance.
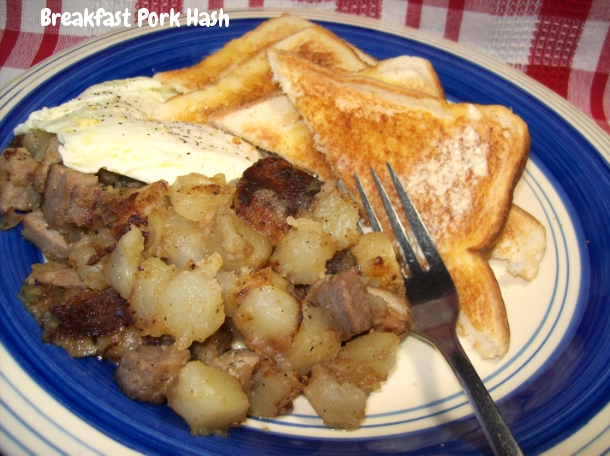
[553, 386]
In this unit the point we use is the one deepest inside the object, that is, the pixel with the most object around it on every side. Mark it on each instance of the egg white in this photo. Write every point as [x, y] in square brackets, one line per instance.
[106, 127]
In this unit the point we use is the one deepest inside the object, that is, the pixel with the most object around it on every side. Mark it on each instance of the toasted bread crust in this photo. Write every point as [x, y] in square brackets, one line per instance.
[409, 72]
[252, 79]
[522, 244]
[273, 124]
[358, 123]
[233, 53]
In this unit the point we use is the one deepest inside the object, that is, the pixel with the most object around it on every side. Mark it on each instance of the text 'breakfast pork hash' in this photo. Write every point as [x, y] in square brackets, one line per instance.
[220, 278]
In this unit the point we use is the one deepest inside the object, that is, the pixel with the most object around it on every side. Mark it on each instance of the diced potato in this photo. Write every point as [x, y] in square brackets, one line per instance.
[267, 312]
[183, 240]
[272, 391]
[376, 348]
[37, 142]
[151, 197]
[341, 406]
[196, 197]
[237, 284]
[237, 243]
[338, 214]
[365, 361]
[154, 232]
[315, 342]
[302, 253]
[130, 339]
[123, 262]
[209, 399]
[191, 304]
[84, 257]
[377, 261]
[231, 283]
[184, 304]
[151, 279]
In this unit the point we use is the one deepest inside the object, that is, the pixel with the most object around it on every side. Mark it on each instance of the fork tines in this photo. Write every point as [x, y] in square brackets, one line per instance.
[420, 232]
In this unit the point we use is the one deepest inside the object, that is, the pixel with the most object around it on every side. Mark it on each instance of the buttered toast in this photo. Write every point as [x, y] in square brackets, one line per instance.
[459, 163]
[251, 79]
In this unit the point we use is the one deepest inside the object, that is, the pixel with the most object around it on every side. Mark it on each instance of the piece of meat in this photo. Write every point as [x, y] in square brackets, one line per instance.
[38, 299]
[240, 363]
[72, 198]
[214, 346]
[147, 373]
[343, 299]
[108, 178]
[67, 197]
[300, 291]
[341, 261]
[36, 230]
[132, 207]
[271, 190]
[54, 274]
[10, 219]
[389, 311]
[17, 192]
[16, 141]
[47, 158]
[91, 313]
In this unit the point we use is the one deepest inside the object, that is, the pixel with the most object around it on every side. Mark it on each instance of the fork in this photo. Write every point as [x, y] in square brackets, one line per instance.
[434, 307]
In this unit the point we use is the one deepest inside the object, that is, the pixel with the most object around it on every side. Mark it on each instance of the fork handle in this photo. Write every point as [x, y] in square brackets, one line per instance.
[496, 430]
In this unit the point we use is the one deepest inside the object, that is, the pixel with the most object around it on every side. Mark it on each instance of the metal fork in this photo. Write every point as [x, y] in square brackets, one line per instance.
[434, 307]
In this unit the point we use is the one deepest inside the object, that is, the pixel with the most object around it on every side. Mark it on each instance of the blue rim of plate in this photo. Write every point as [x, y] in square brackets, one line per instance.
[560, 399]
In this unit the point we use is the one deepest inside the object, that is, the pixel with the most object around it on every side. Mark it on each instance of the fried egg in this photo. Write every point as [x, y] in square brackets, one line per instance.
[106, 127]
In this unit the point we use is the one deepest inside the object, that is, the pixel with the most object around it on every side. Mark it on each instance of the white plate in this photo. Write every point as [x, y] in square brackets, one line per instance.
[552, 386]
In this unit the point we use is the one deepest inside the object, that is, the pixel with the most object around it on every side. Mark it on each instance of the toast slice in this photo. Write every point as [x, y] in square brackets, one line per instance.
[233, 53]
[407, 71]
[459, 162]
[366, 58]
[522, 244]
[252, 78]
[272, 123]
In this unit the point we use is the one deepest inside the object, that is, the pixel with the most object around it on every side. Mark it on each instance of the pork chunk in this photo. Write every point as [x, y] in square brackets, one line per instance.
[92, 313]
[272, 190]
[132, 207]
[36, 230]
[240, 363]
[147, 373]
[66, 199]
[390, 312]
[17, 192]
[344, 301]
[214, 346]
[54, 274]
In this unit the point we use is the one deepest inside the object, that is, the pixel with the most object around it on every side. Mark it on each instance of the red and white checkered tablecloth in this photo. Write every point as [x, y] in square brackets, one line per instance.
[564, 44]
